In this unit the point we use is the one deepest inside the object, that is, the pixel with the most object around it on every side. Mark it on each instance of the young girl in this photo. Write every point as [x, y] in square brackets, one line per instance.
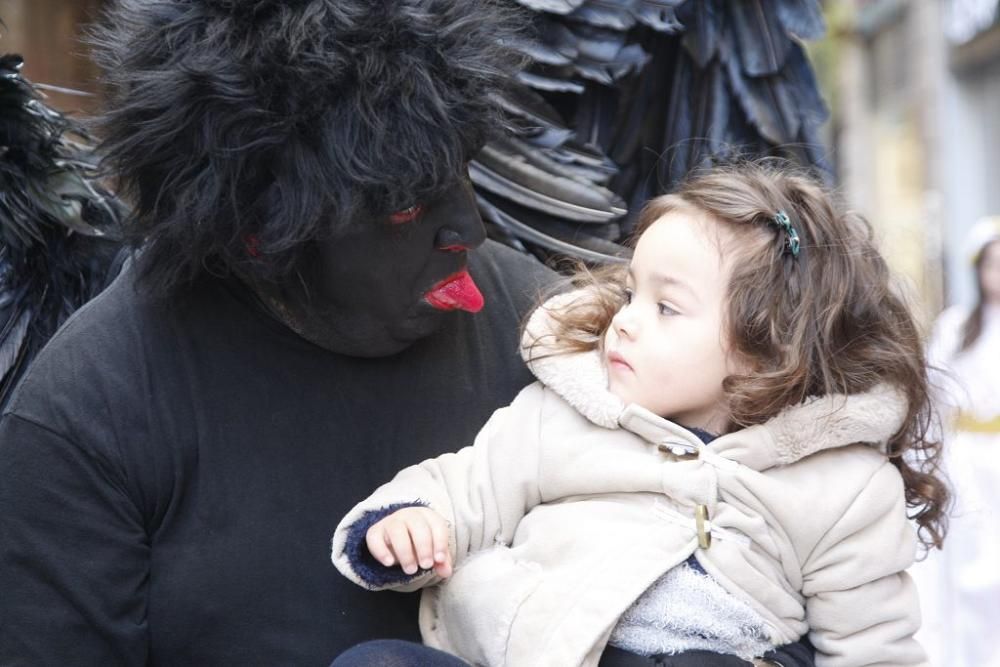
[713, 456]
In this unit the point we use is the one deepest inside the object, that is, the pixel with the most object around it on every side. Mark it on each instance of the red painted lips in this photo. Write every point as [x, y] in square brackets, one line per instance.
[456, 292]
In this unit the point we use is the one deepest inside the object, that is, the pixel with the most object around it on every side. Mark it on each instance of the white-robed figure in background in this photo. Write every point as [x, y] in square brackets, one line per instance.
[960, 586]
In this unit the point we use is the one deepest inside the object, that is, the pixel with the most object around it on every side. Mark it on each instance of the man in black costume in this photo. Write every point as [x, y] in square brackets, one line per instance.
[297, 326]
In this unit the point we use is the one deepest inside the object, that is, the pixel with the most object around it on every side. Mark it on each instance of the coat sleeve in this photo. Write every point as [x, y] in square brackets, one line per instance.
[482, 491]
[74, 554]
[861, 605]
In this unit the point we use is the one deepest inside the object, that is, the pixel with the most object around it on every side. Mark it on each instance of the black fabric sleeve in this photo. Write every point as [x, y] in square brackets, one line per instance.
[800, 654]
[73, 554]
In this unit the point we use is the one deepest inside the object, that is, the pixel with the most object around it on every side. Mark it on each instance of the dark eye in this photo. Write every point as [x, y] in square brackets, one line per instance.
[406, 215]
[627, 295]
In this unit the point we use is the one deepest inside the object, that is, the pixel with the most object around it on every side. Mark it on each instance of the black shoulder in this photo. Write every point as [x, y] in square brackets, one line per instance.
[511, 276]
[97, 346]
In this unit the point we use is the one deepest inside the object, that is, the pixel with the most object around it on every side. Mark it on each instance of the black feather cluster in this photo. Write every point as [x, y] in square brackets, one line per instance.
[623, 98]
[58, 226]
[287, 121]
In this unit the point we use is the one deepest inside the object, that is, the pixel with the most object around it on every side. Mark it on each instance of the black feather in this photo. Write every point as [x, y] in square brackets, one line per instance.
[59, 229]
[660, 15]
[506, 170]
[553, 6]
[800, 77]
[677, 126]
[556, 83]
[768, 101]
[760, 36]
[703, 23]
[802, 18]
[612, 14]
[582, 247]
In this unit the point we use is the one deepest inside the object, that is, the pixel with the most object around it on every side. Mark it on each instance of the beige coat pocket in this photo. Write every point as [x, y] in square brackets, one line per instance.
[471, 614]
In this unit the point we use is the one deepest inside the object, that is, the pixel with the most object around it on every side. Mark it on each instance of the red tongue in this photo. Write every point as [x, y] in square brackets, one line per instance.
[457, 292]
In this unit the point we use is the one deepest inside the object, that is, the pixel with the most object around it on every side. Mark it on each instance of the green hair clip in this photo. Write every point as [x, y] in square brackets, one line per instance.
[792, 236]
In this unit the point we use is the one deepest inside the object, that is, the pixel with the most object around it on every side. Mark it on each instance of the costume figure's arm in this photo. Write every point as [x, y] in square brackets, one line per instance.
[75, 554]
[482, 491]
[861, 605]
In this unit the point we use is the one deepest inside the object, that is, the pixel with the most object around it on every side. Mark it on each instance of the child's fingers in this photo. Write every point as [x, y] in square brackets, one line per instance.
[439, 536]
[378, 547]
[423, 541]
[442, 552]
[398, 537]
[443, 569]
[415, 538]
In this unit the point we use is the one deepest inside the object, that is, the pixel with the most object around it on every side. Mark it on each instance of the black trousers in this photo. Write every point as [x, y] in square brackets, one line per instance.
[616, 657]
[397, 653]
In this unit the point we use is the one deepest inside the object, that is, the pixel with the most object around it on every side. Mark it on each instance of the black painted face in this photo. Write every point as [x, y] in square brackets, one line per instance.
[371, 290]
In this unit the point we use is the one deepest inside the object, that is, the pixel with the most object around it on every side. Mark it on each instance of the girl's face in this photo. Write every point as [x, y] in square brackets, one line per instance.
[665, 349]
[989, 273]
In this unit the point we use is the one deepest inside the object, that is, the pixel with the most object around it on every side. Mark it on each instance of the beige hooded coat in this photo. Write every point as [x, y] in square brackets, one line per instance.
[569, 505]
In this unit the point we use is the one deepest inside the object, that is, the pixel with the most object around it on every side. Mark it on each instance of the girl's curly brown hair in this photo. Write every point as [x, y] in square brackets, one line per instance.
[826, 322]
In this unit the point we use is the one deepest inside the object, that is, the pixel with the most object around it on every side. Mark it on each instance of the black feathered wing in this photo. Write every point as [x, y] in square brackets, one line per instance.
[59, 228]
[623, 98]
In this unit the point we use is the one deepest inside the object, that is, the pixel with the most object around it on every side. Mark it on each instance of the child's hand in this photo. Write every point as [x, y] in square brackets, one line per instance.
[412, 536]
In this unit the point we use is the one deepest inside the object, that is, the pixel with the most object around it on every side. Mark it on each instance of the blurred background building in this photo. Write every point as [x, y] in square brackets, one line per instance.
[915, 91]
[47, 33]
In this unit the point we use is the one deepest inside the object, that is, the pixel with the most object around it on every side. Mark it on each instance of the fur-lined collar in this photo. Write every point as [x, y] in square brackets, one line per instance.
[818, 423]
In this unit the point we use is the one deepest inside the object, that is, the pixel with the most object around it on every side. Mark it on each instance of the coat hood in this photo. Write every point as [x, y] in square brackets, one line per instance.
[822, 422]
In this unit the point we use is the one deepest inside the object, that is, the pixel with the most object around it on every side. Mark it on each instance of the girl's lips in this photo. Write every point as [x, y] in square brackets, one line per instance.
[456, 292]
[615, 359]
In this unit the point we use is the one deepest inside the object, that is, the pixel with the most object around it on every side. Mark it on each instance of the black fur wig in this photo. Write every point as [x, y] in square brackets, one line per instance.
[276, 122]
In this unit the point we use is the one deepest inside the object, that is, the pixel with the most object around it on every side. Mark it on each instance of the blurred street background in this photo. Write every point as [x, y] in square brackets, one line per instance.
[914, 87]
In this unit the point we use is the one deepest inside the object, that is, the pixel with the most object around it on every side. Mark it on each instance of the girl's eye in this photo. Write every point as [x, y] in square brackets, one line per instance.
[406, 215]
[627, 295]
[665, 309]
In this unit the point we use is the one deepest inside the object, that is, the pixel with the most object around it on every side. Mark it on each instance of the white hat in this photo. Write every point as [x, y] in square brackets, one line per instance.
[985, 231]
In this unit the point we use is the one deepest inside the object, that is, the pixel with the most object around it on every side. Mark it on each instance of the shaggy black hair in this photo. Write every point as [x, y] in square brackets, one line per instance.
[276, 122]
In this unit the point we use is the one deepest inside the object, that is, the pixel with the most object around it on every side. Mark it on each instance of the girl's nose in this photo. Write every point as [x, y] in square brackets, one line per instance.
[624, 323]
